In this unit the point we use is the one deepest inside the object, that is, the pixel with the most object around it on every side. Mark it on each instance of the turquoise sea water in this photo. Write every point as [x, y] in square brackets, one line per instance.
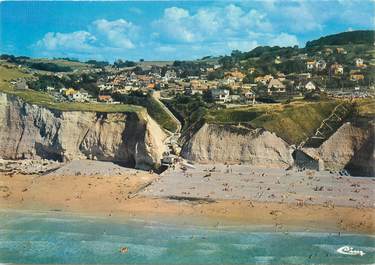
[55, 238]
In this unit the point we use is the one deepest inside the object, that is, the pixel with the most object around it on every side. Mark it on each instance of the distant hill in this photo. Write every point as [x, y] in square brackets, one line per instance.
[344, 38]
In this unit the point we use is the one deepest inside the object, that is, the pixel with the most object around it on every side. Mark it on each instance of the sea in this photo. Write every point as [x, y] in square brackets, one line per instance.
[45, 238]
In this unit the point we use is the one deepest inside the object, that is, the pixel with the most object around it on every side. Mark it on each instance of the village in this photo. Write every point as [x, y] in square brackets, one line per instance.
[231, 86]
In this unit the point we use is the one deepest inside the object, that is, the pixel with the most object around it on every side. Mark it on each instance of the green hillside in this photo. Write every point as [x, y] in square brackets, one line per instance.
[344, 38]
[293, 122]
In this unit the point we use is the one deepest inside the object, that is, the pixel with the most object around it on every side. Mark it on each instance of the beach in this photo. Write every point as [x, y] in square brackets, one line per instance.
[213, 195]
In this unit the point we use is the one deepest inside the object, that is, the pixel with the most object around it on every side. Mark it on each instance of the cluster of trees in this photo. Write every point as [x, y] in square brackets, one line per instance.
[50, 67]
[188, 68]
[120, 63]
[44, 66]
[189, 109]
[344, 38]
[87, 82]
[13, 59]
[98, 64]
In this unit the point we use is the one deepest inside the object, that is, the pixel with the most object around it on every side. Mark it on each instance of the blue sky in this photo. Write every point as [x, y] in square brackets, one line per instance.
[169, 30]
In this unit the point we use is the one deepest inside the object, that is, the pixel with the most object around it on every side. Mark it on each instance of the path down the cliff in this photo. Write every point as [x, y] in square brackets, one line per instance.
[329, 125]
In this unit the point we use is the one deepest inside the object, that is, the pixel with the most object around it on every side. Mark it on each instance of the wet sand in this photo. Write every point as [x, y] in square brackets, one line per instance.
[129, 194]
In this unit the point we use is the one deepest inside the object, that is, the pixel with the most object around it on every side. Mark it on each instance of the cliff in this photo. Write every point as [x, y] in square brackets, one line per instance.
[231, 144]
[31, 131]
[351, 147]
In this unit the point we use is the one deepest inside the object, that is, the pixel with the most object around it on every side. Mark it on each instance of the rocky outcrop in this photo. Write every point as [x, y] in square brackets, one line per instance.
[350, 147]
[231, 144]
[30, 131]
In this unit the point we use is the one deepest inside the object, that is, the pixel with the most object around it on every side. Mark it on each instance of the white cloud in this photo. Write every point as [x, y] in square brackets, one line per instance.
[212, 24]
[176, 24]
[101, 37]
[242, 45]
[118, 32]
[78, 40]
[283, 40]
[302, 18]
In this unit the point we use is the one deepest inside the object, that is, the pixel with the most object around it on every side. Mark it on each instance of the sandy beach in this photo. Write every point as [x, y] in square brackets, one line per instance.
[235, 195]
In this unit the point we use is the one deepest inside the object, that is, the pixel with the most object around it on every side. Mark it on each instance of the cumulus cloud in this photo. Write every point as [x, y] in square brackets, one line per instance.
[78, 40]
[179, 25]
[283, 40]
[101, 36]
[302, 18]
[117, 32]
[242, 45]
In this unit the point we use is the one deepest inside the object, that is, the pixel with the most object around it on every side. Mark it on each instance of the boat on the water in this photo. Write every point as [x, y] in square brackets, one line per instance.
[346, 250]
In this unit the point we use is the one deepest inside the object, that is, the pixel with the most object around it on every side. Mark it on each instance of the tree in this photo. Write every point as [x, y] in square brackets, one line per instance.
[248, 79]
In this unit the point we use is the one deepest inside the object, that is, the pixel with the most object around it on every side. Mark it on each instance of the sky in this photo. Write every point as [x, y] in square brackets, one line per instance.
[170, 30]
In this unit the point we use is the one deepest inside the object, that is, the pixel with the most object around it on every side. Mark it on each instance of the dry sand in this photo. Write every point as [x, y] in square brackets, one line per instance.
[121, 195]
[244, 182]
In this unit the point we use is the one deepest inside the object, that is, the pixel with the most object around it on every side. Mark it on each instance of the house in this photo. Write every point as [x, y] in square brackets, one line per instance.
[337, 69]
[263, 79]
[220, 95]
[357, 77]
[252, 70]
[192, 91]
[80, 97]
[106, 87]
[50, 88]
[21, 84]
[69, 91]
[310, 86]
[328, 51]
[275, 85]
[217, 66]
[234, 98]
[310, 65]
[105, 98]
[151, 86]
[170, 74]
[277, 60]
[280, 76]
[236, 75]
[321, 65]
[340, 50]
[359, 62]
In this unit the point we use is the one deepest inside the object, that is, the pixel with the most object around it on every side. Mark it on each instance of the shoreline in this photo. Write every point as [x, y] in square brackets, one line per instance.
[259, 217]
[177, 223]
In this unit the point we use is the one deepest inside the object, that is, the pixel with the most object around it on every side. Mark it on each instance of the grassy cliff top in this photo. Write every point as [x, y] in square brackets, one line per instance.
[293, 122]
[7, 73]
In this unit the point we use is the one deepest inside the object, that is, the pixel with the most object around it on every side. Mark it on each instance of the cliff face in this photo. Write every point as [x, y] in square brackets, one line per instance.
[350, 147]
[226, 143]
[30, 131]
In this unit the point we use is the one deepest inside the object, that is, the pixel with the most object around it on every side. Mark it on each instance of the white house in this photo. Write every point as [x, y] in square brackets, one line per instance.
[220, 95]
[310, 86]
[359, 62]
[275, 85]
[310, 65]
[321, 65]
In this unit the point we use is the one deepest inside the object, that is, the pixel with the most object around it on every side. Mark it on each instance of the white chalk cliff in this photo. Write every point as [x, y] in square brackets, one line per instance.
[31, 131]
[231, 144]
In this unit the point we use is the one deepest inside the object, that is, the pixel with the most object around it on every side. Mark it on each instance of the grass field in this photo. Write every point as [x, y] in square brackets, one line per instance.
[365, 108]
[293, 122]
